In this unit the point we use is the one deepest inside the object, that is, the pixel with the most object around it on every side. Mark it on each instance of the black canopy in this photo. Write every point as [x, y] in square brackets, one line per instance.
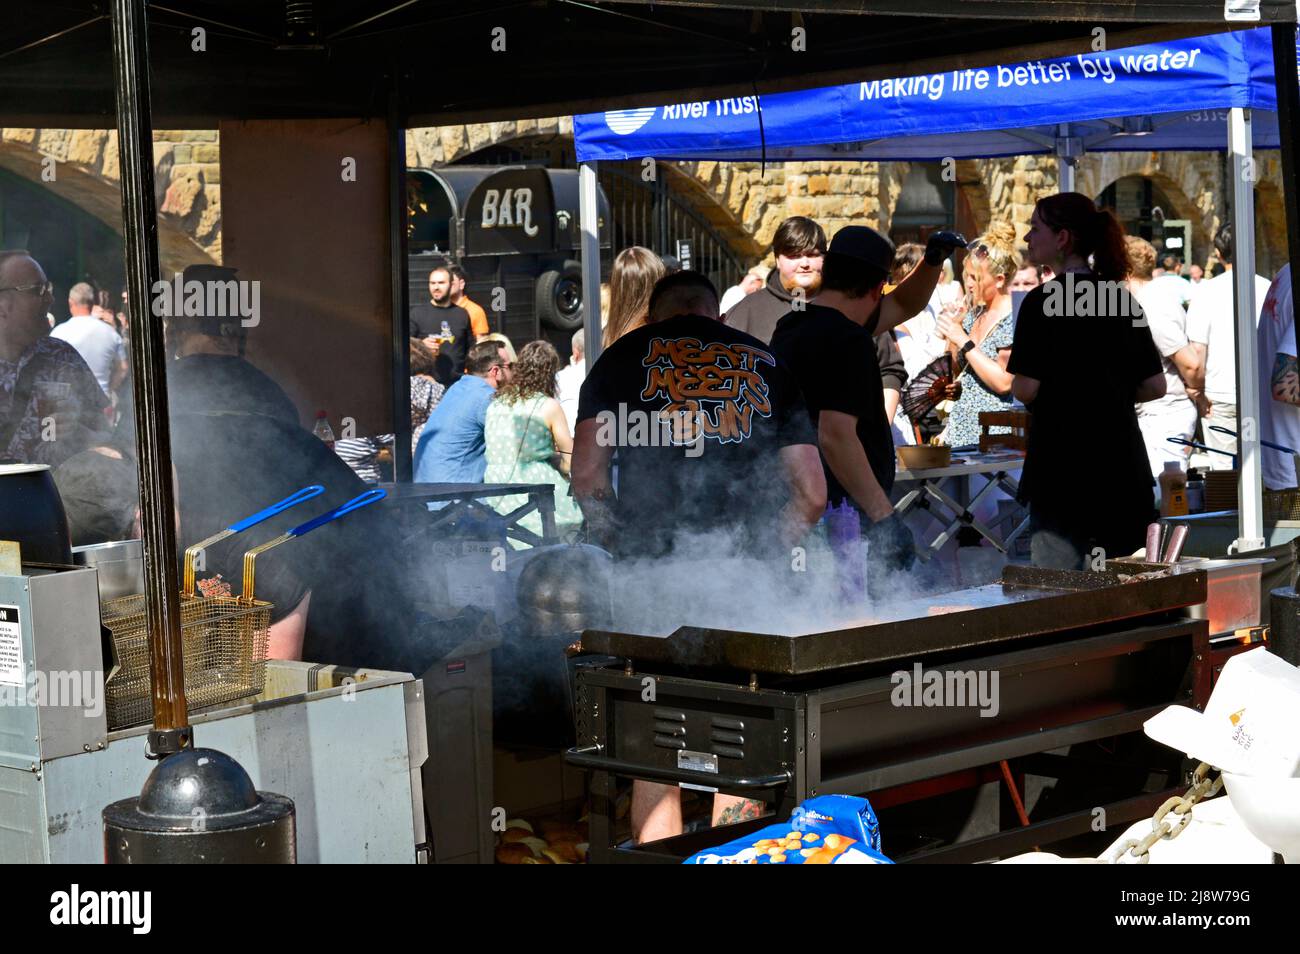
[266, 59]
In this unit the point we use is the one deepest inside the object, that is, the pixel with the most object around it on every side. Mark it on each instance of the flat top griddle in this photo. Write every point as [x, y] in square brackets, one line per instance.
[1027, 602]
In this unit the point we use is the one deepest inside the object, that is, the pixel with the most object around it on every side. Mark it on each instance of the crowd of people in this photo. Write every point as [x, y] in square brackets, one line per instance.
[792, 391]
[848, 323]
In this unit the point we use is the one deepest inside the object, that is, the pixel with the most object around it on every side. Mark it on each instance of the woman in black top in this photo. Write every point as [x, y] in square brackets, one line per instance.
[1081, 358]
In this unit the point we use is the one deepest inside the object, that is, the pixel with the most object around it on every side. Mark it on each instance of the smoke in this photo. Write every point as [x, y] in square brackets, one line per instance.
[711, 581]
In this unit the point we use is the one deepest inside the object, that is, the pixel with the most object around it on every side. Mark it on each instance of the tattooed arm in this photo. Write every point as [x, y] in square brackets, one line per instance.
[1286, 379]
[729, 809]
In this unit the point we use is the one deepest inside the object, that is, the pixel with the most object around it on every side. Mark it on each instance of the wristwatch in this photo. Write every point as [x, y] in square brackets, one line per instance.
[968, 347]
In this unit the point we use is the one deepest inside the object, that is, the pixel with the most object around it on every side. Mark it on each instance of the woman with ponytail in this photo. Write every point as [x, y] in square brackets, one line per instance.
[1081, 358]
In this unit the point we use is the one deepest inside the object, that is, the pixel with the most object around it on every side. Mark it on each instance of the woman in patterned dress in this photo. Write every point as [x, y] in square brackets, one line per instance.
[528, 439]
[980, 340]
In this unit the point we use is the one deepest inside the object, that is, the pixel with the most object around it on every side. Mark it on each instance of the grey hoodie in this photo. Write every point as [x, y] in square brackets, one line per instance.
[757, 314]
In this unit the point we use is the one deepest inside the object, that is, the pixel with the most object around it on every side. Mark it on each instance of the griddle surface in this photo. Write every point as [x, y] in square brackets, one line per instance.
[1028, 602]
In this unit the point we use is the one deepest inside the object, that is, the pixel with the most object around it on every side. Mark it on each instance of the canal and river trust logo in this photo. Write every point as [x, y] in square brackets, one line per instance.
[627, 121]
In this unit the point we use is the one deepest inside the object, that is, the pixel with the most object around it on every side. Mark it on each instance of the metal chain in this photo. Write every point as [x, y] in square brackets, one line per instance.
[1164, 828]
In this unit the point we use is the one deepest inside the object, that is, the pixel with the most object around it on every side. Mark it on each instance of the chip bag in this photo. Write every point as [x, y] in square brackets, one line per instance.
[826, 830]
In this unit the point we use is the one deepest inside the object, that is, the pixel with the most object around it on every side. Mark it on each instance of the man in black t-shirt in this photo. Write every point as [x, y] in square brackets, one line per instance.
[829, 347]
[712, 435]
[444, 327]
[710, 428]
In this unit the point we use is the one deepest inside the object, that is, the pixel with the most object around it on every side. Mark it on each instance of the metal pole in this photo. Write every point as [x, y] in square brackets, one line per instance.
[589, 221]
[171, 728]
[400, 286]
[1250, 491]
[1066, 159]
[1288, 121]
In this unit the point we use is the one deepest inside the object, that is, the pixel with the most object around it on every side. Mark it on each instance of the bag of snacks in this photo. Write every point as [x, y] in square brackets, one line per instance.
[826, 830]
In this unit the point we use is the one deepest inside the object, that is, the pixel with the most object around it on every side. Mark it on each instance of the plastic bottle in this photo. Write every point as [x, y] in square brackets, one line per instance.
[323, 430]
[1173, 490]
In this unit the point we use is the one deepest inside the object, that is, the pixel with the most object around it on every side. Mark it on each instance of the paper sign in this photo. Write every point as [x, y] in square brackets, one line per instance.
[12, 669]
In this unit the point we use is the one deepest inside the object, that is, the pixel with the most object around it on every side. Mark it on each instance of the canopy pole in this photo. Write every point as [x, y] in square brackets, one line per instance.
[399, 285]
[1068, 150]
[1250, 490]
[1065, 172]
[589, 221]
[171, 731]
[1288, 121]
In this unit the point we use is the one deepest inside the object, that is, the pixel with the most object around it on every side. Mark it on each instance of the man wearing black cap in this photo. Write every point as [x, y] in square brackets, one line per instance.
[828, 345]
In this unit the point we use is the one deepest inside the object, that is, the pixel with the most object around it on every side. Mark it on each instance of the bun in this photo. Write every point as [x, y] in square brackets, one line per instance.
[1000, 235]
[514, 835]
[561, 831]
[513, 854]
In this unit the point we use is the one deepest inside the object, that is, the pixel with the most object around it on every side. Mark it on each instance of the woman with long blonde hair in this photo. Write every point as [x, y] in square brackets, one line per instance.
[979, 331]
[633, 277]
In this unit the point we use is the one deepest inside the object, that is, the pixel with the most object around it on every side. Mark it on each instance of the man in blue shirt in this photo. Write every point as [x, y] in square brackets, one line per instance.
[451, 448]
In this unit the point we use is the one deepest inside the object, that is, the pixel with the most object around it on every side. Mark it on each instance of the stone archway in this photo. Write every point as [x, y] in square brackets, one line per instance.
[1192, 181]
[85, 173]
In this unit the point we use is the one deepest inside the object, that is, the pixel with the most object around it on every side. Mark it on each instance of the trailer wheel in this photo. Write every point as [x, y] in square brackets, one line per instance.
[559, 298]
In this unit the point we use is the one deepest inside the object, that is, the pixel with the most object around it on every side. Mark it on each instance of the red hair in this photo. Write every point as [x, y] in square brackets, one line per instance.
[1093, 232]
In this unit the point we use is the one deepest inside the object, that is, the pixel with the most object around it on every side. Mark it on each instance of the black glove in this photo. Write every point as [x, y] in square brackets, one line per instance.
[890, 550]
[942, 244]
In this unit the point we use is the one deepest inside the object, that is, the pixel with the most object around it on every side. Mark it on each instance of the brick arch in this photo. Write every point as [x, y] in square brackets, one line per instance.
[1180, 176]
[85, 175]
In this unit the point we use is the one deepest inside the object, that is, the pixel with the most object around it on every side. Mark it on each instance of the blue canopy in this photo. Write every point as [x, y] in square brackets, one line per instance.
[1158, 97]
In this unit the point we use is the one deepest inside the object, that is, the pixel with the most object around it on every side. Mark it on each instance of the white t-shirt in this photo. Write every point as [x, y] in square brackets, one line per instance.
[732, 297]
[1278, 422]
[1175, 286]
[99, 345]
[567, 385]
[1168, 325]
[1210, 321]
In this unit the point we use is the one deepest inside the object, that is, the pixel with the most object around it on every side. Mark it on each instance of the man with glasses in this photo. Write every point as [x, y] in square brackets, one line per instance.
[51, 406]
[452, 449]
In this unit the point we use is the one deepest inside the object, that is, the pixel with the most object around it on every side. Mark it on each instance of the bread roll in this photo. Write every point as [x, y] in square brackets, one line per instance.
[513, 854]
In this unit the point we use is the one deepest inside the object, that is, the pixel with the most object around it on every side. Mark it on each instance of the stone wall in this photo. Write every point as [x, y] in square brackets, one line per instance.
[742, 200]
[188, 180]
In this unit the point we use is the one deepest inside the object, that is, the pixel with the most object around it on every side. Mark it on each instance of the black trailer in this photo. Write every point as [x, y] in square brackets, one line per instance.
[514, 229]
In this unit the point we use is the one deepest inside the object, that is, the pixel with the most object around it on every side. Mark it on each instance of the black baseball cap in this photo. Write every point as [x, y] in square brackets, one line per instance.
[864, 244]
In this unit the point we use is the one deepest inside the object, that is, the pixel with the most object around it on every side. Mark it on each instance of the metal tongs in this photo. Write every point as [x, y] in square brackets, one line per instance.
[191, 553]
[356, 503]
[1295, 457]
